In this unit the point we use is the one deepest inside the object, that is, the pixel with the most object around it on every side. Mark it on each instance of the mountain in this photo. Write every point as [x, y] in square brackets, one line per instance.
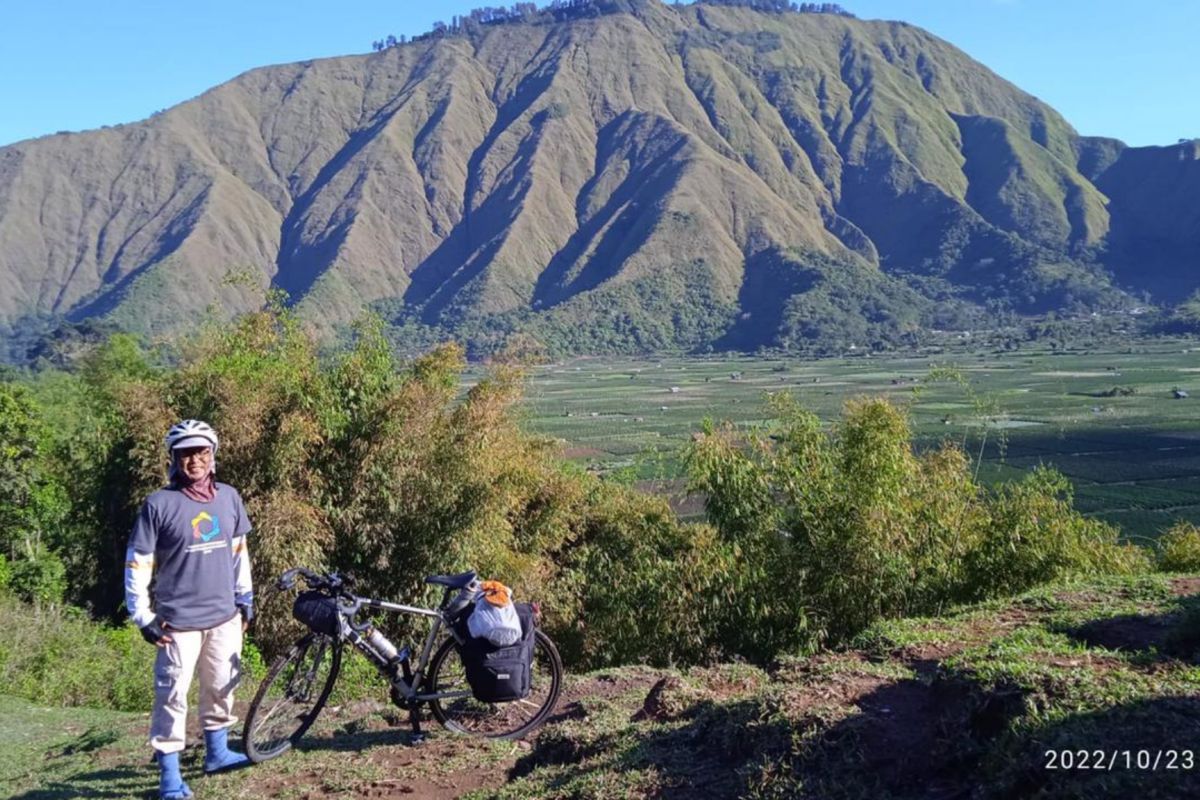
[607, 174]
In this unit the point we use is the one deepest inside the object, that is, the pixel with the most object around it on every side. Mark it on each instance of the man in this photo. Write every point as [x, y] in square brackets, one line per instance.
[191, 537]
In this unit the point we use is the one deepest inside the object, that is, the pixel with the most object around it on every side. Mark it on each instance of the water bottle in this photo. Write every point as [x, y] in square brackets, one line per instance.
[464, 598]
[381, 645]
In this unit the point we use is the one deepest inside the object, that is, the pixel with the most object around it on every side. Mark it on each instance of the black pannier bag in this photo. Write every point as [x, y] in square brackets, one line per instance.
[499, 674]
[316, 610]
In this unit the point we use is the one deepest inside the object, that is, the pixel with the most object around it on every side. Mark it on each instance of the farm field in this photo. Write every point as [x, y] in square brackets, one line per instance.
[1110, 421]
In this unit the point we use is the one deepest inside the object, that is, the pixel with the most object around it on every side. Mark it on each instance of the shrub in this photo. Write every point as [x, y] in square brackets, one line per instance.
[254, 667]
[382, 468]
[1035, 535]
[5, 574]
[1179, 549]
[57, 656]
[32, 503]
[39, 578]
[83, 444]
[639, 586]
[834, 529]
[365, 463]
[765, 610]
[19, 434]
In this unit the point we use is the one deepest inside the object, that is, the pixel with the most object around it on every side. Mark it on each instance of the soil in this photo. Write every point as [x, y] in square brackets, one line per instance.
[419, 770]
[1184, 587]
[898, 725]
[431, 770]
[1128, 632]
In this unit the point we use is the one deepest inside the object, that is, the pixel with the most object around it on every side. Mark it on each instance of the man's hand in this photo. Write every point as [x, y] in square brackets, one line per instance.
[155, 633]
[247, 612]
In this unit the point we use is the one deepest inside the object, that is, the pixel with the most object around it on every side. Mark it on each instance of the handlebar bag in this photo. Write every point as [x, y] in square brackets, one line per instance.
[501, 674]
[317, 610]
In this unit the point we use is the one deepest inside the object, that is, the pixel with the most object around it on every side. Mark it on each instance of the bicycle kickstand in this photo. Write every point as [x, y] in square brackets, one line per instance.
[411, 703]
[414, 716]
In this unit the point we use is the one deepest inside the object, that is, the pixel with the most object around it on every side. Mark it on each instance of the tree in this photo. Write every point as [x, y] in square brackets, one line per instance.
[32, 503]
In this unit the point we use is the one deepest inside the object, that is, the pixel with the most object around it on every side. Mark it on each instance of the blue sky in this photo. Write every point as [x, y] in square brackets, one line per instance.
[1112, 67]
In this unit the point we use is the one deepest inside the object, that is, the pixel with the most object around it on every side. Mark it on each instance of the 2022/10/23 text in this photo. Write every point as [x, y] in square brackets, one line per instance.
[1109, 760]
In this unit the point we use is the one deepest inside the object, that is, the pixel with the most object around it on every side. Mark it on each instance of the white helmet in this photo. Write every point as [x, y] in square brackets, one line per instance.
[191, 433]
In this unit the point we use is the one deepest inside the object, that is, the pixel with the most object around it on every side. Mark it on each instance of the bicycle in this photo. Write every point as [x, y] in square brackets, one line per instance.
[299, 682]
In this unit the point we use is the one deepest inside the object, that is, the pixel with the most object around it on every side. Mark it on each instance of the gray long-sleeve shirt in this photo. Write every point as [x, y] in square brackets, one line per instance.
[197, 554]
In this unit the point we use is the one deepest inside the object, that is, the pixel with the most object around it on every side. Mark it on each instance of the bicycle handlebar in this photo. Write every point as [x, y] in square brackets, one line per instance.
[339, 586]
[333, 582]
[336, 584]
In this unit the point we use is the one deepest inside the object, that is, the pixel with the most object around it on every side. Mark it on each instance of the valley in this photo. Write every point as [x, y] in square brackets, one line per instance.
[1109, 421]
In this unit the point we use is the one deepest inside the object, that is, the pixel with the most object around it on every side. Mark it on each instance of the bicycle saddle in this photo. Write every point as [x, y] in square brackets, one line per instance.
[460, 581]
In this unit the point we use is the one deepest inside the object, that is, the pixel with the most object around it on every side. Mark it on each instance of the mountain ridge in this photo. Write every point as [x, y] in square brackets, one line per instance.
[538, 175]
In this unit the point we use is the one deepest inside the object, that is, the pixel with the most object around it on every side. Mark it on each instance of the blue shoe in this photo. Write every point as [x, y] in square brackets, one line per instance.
[170, 782]
[217, 755]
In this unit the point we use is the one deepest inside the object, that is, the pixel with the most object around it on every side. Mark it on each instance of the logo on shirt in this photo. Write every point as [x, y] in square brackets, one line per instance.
[205, 527]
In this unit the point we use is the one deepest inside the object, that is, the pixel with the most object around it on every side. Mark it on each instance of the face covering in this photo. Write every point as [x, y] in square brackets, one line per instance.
[202, 491]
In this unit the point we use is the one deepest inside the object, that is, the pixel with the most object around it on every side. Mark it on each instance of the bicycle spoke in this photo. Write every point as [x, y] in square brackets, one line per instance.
[290, 698]
[460, 711]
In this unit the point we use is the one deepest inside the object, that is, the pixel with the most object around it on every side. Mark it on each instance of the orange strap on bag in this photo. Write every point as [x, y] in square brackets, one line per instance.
[495, 593]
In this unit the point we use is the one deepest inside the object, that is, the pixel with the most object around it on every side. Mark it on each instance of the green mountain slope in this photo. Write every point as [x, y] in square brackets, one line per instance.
[672, 167]
[1155, 240]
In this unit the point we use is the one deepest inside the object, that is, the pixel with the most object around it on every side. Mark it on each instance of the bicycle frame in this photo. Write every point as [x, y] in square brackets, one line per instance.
[294, 681]
[410, 682]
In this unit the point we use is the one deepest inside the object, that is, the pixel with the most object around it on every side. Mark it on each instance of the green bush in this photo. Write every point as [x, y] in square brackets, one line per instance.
[77, 441]
[19, 434]
[1035, 535]
[1179, 549]
[835, 529]
[5, 574]
[39, 578]
[639, 586]
[366, 463]
[379, 467]
[32, 502]
[56, 656]
[254, 667]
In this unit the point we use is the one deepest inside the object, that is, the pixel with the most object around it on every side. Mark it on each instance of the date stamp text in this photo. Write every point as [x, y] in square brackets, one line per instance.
[1110, 760]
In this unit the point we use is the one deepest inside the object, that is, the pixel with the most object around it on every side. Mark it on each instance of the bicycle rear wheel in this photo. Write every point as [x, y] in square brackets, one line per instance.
[291, 696]
[462, 713]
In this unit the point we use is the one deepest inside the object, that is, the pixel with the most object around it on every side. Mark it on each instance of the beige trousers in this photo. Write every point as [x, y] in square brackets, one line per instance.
[217, 655]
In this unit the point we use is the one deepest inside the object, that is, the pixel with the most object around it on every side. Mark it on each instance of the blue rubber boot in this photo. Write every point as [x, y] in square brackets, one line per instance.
[217, 755]
[170, 782]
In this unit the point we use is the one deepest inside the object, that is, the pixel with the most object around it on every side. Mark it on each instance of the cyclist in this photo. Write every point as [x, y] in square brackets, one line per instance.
[191, 537]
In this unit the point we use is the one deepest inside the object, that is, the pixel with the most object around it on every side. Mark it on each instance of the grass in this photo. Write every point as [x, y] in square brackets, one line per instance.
[954, 706]
[68, 752]
[966, 704]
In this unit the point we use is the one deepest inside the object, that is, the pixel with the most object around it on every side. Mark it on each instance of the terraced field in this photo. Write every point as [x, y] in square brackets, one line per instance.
[1109, 420]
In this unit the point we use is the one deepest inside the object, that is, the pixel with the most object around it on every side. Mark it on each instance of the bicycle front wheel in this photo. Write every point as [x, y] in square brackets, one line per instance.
[460, 712]
[291, 696]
